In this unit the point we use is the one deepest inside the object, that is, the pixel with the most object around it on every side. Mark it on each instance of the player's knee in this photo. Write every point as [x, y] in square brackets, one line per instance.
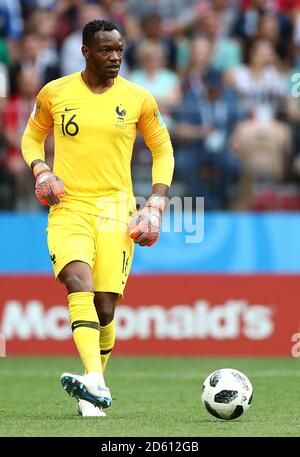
[105, 303]
[77, 282]
[105, 311]
[106, 319]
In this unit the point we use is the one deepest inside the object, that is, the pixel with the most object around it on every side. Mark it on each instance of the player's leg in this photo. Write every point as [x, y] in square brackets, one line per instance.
[112, 265]
[71, 245]
[77, 276]
[105, 303]
[78, 279]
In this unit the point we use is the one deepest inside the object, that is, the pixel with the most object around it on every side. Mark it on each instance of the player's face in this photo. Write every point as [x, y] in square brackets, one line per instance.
[104, 55]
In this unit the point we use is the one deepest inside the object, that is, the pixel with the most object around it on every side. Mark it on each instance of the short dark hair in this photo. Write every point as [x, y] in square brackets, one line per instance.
[99, 25]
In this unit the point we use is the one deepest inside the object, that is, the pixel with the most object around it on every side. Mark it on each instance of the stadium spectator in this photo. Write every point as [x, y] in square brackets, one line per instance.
[226, 12]
[226, 53]
[163, 83]
[199, 63]
[293, 114]
[207, 116]
[114, 10]
[11, 20]
[7, 200]
[172, 12]
[260, 83]
[44, 24]
[178, 16]
[263, 145]
[66, 12]
[151, 29]
[15, 116]
[34, 55]
[246, 25]
[71, 57]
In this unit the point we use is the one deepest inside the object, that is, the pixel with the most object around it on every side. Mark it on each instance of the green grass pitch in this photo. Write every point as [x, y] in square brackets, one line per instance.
[153, 397]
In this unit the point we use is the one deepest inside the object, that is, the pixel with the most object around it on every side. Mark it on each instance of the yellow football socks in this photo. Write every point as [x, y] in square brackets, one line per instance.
[107, 341]
[85, 328]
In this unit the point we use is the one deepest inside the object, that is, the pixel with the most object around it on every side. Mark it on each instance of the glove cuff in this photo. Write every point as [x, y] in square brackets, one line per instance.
[156, 201]
[39, 168]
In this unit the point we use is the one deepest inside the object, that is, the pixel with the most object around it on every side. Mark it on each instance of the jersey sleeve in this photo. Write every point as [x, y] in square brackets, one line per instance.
[32, 146]
[38, 128]
[151, 124]
[41, 120]
[157, 138]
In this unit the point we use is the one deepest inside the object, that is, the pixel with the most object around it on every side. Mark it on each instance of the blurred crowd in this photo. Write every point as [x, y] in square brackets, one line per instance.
[225, 73]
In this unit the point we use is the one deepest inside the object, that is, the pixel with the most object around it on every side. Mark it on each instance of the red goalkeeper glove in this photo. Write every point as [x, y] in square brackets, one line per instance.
[48, 187]
[145, 225]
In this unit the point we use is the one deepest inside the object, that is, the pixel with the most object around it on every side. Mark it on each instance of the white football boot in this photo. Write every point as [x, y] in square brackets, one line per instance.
[87, 409]
[90, 387]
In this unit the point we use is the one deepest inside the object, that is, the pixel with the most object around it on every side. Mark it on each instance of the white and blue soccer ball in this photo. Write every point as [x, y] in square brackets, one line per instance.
[227, 393]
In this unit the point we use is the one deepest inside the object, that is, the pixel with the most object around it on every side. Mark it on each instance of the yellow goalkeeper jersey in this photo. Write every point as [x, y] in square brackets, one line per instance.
[94, 136]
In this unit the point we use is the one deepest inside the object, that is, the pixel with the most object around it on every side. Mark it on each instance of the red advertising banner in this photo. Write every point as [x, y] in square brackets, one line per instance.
[162, 315]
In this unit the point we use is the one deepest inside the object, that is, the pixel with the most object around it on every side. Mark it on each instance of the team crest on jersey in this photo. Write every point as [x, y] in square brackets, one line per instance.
[121, 113]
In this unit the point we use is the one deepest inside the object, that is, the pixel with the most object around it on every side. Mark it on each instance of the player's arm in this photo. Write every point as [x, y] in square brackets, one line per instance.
[48, 187]
[146, 224]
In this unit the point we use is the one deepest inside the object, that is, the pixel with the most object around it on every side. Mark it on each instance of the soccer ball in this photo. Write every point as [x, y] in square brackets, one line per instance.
[227, 393]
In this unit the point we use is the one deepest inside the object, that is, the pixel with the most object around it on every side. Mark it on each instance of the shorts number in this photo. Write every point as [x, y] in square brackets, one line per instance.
[125, 264]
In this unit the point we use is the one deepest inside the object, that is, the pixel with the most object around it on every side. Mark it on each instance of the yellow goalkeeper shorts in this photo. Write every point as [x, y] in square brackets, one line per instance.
[102, 243]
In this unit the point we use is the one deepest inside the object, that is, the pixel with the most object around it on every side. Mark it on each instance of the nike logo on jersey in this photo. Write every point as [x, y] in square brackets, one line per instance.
[70, 109]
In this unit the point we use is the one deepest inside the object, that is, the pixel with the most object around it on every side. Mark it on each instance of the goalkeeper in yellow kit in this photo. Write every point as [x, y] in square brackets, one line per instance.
[93, 223]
